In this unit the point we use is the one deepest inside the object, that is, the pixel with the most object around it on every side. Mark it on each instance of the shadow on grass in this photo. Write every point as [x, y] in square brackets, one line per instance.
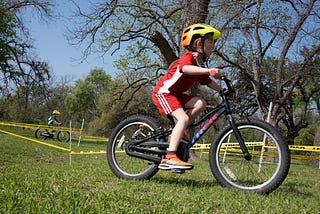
[297, 189]
[185, 181]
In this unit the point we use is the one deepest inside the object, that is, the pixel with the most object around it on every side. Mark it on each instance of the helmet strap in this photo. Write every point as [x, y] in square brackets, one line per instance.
[202, 53]
[204, 56]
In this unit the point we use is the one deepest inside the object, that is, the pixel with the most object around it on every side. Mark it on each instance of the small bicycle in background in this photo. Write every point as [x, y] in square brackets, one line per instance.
[49, 133]
[249, 154]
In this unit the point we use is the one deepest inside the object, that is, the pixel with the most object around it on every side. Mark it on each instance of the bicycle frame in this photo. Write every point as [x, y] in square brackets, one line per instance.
[221, 109]
[216, 113]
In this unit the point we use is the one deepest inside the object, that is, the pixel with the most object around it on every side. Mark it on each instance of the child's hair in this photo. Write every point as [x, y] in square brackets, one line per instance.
[195, 38]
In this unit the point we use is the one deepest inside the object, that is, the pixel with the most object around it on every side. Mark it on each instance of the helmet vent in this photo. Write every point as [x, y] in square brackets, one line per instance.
[187, 30]
[198, 28]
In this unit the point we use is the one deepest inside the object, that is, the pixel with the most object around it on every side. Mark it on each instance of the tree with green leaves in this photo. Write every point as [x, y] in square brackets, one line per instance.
[82, 102]
[23, 75]
[18, 65]
[32, 104]
[119, 101]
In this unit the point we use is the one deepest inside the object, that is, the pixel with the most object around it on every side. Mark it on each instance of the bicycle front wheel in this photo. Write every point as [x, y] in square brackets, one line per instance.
[270, 161]
[126, 166]
[63, 136]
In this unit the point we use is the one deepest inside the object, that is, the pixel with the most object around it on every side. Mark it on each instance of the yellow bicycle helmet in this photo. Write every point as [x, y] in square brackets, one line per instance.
[196, 31]
[56, 112]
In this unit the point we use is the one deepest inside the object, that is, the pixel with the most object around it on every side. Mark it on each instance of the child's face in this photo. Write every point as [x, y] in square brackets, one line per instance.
[208, 46]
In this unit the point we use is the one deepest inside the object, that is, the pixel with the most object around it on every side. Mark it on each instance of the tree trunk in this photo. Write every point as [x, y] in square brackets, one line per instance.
[196, 11]
[164, 47]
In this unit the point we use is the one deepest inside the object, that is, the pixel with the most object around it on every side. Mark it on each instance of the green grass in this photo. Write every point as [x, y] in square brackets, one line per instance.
[38, 179]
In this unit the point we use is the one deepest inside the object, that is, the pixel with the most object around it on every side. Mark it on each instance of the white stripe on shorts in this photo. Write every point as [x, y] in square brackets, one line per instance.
[164, 104]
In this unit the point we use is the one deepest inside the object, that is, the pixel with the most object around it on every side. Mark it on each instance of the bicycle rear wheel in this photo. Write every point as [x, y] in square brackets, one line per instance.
[39, 134]
[120, 163]
[270, 161]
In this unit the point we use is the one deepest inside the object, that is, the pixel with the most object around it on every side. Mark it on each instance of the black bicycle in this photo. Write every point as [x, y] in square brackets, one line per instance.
[248, 154]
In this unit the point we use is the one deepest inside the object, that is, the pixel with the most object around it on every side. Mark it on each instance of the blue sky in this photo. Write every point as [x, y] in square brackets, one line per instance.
[52, 46]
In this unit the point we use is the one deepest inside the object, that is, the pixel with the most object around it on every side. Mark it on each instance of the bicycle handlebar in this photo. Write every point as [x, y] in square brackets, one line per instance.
[230, 89]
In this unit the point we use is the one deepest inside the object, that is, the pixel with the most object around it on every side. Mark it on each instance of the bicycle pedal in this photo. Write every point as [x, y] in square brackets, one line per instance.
[178, 171]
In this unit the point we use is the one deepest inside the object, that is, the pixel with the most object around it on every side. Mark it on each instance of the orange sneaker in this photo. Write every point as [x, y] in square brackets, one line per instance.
[174, 163]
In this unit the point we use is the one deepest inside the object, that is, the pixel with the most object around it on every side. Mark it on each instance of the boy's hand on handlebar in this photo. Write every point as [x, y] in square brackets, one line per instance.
[214, 72]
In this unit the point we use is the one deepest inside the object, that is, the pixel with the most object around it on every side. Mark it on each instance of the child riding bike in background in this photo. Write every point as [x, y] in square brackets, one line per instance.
[53, 121]
[169, 93]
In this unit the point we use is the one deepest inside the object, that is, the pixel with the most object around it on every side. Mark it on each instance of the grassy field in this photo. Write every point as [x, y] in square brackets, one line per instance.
[35, 178]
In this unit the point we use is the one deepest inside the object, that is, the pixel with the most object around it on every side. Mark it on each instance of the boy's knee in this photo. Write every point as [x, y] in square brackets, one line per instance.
[201, 104]
[184, 119]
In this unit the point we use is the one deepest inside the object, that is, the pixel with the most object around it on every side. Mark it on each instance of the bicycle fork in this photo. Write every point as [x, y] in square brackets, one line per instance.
[237, 133]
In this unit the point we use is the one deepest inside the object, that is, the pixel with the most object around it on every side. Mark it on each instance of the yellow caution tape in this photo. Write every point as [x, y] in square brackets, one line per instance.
[87, 153]
[305, 157]
[291, 147]
[93, 138]
[38, 126]
[197, 146]
[55, 146]
[305, 148]
[37, 141]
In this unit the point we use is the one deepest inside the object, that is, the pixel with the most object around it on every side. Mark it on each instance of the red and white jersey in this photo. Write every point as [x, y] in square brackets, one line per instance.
[175, 82]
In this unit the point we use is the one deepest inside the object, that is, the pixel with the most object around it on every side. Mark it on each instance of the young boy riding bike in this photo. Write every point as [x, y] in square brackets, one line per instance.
[169, 94]
[53, 121]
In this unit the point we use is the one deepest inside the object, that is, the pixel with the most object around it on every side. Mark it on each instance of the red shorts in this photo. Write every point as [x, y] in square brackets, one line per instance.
[167, 103]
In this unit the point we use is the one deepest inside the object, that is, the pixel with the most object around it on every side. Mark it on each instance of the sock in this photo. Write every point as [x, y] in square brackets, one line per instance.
[171, 154]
